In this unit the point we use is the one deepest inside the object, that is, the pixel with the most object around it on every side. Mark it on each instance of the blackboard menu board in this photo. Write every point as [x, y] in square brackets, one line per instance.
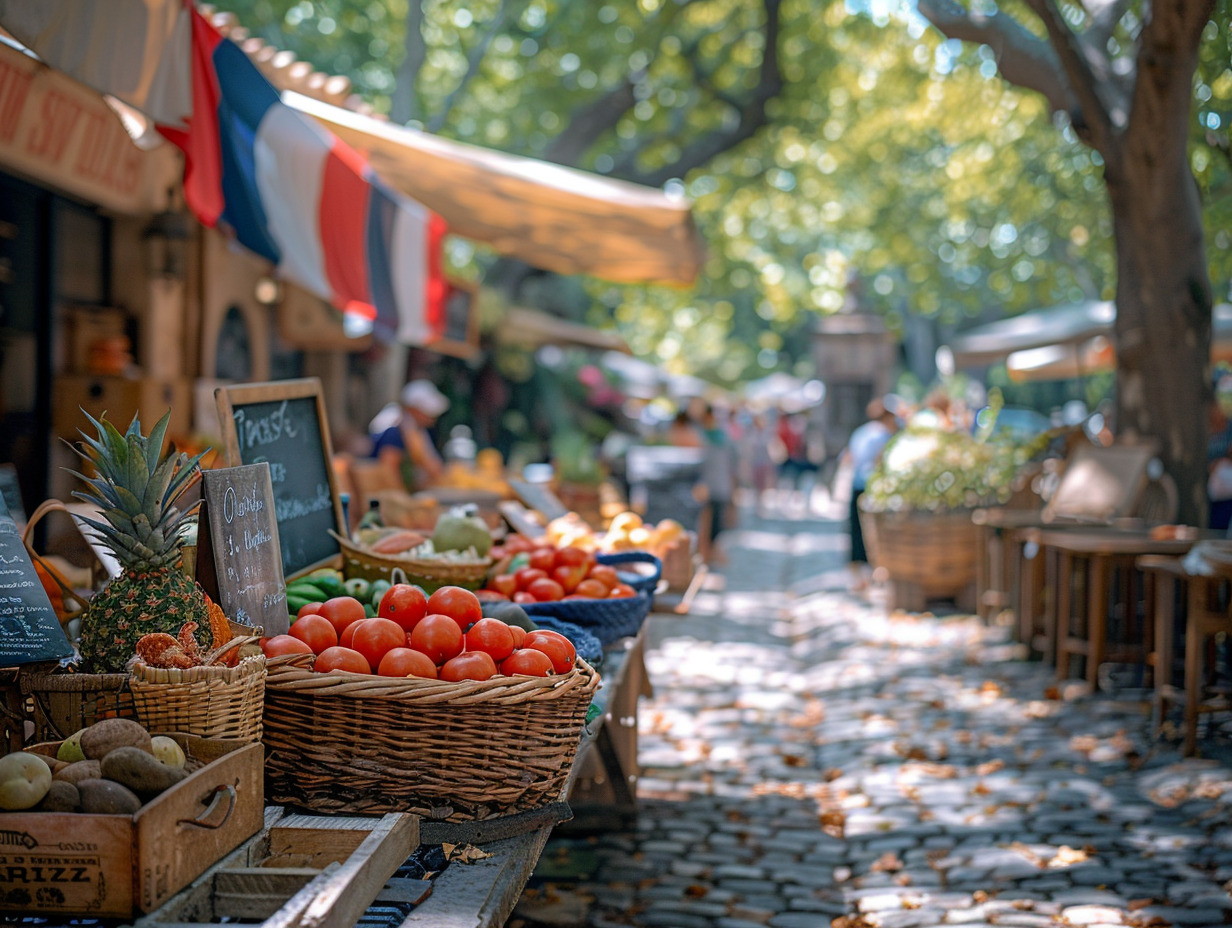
[10, 492]
[29, 629]
[238, 554]
[283, 424]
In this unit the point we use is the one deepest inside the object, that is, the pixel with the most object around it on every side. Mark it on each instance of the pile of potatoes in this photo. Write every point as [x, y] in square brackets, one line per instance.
[112, 767]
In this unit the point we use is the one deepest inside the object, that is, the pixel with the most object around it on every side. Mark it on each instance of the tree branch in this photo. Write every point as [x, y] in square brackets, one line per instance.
[404, 101]
[1022, 58]
[751, 113]
[1101, 110]
[474, 58]
[591, 121]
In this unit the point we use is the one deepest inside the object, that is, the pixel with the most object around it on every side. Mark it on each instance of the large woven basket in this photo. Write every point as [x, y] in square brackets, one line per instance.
[642, 581]
[65, 703]
[352, 743]
[209, 702]
[431, 574]
[936, 550]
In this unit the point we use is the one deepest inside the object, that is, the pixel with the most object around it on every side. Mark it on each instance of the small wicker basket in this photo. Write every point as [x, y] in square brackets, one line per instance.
[352, 743]
[609, 620]
[210, 701]
[430, 574]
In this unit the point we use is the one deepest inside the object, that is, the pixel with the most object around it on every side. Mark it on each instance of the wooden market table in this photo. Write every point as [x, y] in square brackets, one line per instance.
[1094, 578]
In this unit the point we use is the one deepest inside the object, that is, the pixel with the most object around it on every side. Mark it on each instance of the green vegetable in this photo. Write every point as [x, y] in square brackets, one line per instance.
[510, 614]
[359, 588]
[379, 589]
[331, 585]
[309, 592]
[460, 529]
[370, 610]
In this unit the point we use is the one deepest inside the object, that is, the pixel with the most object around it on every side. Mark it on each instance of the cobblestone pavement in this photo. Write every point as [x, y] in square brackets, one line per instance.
[810, 760]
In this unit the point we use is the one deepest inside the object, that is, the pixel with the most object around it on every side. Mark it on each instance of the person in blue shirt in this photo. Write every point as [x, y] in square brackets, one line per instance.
[400, 434]
[863, 451]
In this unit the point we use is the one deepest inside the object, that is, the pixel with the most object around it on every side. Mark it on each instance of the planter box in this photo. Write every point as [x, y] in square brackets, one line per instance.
[928, 555]
[73, 864]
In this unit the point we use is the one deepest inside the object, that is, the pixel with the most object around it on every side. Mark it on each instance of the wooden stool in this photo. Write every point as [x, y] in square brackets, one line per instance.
[1209, 614]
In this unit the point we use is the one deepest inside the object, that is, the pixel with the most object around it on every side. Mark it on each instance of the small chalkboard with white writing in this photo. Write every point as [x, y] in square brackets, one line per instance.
[29, 628]
[239, 562]
[10, 492]
[283, 423]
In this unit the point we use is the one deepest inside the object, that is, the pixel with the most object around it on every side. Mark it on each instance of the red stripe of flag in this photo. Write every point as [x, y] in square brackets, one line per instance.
[201, 143]
[436, 287]
[342, 218]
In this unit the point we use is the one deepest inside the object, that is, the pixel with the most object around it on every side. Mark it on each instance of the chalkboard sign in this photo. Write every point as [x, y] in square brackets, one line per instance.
[284, 424]
[10, 492]
[239, 562]
[539, 498]
[29, 628]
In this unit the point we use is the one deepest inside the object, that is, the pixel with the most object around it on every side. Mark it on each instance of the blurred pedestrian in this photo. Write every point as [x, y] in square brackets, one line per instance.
[683, 433]
[718, 479]
[755, 454]
[863, 452]
[405, 444]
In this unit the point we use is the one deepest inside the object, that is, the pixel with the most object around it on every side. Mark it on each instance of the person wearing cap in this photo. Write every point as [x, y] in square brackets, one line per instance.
[863, 452]
[405, 445]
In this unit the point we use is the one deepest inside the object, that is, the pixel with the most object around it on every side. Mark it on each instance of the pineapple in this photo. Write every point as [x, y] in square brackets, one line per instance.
[136, 490]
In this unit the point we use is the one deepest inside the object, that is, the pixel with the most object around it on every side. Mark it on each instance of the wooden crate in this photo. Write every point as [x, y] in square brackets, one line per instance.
[70, 863]
[301, 870]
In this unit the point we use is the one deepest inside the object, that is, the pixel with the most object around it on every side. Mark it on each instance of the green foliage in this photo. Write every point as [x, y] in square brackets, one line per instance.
[890, 155]
[935, 470]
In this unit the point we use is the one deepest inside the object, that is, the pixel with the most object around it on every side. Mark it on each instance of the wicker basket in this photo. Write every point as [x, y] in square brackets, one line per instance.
[642, 582]
[352, 743]
[65, 703]
[936, 550]
[430, 574]
[209, 702]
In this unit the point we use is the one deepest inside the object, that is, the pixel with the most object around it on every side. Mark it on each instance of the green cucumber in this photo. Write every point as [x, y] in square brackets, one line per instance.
[296, 603]
[332, 586]
[370, 610]
[309, 591]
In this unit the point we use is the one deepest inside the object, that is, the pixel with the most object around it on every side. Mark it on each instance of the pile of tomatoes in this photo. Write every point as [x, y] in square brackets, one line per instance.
[553, 574]
[443, 636]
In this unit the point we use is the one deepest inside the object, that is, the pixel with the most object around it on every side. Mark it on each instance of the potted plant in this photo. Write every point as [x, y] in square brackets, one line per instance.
[916, 509]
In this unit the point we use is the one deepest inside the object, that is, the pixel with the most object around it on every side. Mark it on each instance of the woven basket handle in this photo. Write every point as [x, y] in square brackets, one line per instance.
[636, 557]
[66, 589]
[217, 812]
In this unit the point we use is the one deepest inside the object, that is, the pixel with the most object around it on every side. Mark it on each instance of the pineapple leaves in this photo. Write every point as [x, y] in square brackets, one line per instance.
[155, 445]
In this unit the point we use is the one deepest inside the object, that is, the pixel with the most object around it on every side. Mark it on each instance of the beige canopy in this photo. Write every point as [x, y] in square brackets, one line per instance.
[553, 217]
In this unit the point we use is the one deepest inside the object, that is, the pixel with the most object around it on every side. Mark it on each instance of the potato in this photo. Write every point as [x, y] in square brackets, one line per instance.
[103, 797]
[62, 797]
[82, 770]
[143, 773]
[103, 737]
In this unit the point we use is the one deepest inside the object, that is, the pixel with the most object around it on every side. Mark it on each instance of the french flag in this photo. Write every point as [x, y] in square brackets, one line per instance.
[291, 192]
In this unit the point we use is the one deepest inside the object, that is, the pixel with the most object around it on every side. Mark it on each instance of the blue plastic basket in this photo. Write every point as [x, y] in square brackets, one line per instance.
[643, 583]
[607, 619]
[588, 647]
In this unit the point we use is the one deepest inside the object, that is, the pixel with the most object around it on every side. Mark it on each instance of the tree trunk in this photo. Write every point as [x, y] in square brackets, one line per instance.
[1163, 324]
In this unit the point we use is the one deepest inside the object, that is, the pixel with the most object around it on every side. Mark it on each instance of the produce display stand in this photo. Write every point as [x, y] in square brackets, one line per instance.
[602, 787]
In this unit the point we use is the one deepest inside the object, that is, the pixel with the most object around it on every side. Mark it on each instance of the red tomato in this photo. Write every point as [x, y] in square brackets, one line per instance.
[375, 638]
[519, 635]
[621, 591]
[555, 650]
[306, 608]
[525, 576]
[348, 633]
[540, 633]
[528, 662]
[459, 604]
[503, 583]
[521, 597]
[545, 590]
[316, 631]
[572, 557]
[604, 574]
[437, 636]
[568, 577]
[283, 644]
[491, 596]
[403, 603]
[340, 658]
[543, 559]
[342, 611]
[592, 589]
[491, 636]
[469, 665]
[496, 552]
[406, 662]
